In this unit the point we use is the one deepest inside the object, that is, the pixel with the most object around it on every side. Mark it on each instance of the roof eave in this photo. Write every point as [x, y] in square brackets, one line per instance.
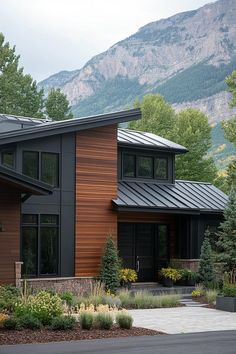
[153, 147]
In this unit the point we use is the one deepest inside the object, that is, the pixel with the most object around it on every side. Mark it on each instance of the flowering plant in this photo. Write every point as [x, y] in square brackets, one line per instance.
[128, 275]
[170, 273]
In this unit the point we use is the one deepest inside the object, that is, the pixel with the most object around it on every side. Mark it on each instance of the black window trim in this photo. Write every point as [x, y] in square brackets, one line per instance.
[38, 226]
[167, 162]
[38, 167]
[40, 152]
[13, 150]
[138, 156]
[58, 164]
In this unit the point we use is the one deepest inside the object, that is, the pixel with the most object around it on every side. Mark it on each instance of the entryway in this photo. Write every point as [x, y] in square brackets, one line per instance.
[143, 247]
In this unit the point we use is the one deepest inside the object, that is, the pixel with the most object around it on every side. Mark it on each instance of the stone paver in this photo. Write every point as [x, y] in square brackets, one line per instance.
[184, 319]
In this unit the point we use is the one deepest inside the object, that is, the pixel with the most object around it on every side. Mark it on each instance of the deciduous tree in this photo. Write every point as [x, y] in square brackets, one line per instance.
[57, 106]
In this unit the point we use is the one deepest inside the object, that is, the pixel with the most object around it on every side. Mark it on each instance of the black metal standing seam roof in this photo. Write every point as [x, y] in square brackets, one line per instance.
[182, 196]
[21, 119]
[144, 139]
[24, 183]
[70, 125]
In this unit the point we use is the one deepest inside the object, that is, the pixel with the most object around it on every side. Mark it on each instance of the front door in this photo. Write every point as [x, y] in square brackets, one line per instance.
[143, 247]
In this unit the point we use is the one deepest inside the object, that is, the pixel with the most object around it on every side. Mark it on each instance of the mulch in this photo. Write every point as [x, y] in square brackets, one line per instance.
[46, 335]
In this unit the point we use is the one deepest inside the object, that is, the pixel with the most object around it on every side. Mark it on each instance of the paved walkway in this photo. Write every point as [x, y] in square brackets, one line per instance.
[187, 319]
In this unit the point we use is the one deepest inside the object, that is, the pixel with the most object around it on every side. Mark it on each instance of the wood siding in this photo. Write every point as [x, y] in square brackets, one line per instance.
[96, 186]
[10, 234]
[168, 219]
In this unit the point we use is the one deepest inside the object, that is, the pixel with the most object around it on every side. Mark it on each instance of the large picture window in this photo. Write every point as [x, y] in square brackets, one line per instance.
[40, 245]
[160, 168]
[43, 166]
[8, 158]
[145, 166]
[129, 165]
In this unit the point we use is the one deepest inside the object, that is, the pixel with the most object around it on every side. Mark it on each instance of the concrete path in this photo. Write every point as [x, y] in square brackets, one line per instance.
[185, 319]
[198, 343]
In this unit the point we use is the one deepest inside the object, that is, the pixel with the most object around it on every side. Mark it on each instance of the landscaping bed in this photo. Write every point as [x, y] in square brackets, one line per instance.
[46, 335]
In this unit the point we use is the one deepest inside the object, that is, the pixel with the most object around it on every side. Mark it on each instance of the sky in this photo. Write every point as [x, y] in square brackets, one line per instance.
[55, 35]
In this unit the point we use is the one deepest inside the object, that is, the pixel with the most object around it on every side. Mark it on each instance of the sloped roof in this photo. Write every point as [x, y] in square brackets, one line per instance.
[20, 120]
[183, 196]
[70, 125]
[24, 183]
[144, 139]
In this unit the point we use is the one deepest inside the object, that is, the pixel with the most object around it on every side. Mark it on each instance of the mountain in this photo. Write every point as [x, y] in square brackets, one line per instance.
[185, 58]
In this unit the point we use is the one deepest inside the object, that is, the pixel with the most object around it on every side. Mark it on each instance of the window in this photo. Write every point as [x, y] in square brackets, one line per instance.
[129, 165]
[8, 158]
[30, 165]
[42, 165]
[40, 244]
[49, 168]
[160, 168]
[145, 167]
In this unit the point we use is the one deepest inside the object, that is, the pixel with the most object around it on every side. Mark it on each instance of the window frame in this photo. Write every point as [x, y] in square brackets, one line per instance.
[13, 151]
[135, 169]
[37, 165]
[40, 153]
[138, 157]
[166, 169]
[38, 226]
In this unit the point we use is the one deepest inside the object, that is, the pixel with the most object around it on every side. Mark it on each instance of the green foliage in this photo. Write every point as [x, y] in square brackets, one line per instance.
[68, 297]
[110, 266]
[187, 274]
[192, 130]
[198, 81]
[104, 320]
[230, 129]
[57, 105]
[111, 301]
[11, 323]
[231, 83]
[206, 273]
[86, 320]
[227, 234]
[42, 306]
[210, 296]
[171, 273]
[157, 116]
[63, 323]
[9, 295]
[18, 92]
[28, 321]
[229, 290]
[124, 320]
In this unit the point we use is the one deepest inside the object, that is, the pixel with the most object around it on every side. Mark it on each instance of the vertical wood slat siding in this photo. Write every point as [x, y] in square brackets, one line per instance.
[167, 219]
[96, 186]
[10, 236]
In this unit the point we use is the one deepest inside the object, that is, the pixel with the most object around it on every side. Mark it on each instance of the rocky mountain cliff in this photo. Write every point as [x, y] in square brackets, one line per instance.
[185, 58]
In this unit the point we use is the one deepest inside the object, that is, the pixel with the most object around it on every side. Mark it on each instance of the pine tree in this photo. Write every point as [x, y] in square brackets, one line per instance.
[227, 234]
[110, 266]
[206, 273]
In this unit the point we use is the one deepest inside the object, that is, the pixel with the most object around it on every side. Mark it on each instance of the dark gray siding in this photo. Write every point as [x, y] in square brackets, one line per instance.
[61, 202]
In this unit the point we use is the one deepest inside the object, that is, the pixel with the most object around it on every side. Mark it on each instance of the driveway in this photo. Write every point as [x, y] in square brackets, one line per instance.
[204, 343]
[185, 320]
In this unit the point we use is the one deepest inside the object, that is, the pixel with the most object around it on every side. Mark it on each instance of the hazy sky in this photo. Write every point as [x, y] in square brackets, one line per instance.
[54, 35]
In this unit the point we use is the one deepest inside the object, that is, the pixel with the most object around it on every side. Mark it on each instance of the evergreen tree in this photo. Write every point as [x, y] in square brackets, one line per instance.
[110, 267]
[206, 273]
[18, 92]
[231, 83]
[227, 234]
[57, 106]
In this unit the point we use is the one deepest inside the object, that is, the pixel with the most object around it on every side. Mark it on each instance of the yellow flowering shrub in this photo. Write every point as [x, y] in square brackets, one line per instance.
[128, 275]
[3, 317]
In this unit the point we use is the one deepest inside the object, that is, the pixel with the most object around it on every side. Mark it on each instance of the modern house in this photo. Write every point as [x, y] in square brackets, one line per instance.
[64, 186]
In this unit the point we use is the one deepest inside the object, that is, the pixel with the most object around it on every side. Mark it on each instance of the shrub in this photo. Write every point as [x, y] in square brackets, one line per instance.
[111, 301]
[28, 321]
[42, 306]
[171, 273]
[124, 320]
[11, 323]
[63, 323]
[9, 295]
[145, 300]
[128, 275]
[170, 300]
[229, 290]
[3, 318]
[86, 320]
[206, 273]
[125, 298]
[104, 320]
[110, 267]
[211, 296]
[68, 297]
[196, 293]
[188, 274]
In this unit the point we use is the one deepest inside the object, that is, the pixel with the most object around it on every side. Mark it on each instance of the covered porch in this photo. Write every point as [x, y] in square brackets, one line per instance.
[160, 223]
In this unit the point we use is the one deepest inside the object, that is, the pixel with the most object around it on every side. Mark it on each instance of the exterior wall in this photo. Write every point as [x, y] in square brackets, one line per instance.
[10, 234]
[157, 218]
[96, 186]
[61, 202]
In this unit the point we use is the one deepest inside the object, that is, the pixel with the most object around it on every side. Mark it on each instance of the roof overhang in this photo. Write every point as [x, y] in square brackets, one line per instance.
[152, 148]
[23, 183]
[68, 126]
